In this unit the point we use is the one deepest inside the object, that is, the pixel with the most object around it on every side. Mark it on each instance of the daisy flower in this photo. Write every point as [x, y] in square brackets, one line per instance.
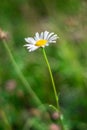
[40, 40]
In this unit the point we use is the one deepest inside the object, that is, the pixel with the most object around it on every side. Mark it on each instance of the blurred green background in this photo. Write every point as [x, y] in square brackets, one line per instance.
[68, 60]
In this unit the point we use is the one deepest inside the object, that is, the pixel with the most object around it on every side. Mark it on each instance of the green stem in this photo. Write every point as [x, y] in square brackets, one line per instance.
[4, 117]
[54, 88]
[21, 76]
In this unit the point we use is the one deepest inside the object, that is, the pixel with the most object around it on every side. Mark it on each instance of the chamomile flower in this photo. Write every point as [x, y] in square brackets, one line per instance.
[40, 40]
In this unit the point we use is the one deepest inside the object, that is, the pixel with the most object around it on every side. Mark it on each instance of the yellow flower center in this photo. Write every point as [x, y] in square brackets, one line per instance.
[41, 43]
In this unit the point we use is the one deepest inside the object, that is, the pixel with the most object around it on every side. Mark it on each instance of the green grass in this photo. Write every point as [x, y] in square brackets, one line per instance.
[68, 60]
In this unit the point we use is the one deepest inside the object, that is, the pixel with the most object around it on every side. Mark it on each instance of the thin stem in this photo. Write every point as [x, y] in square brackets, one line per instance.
[54, 88]
[55, 92]
[21, 76]
[4, 117]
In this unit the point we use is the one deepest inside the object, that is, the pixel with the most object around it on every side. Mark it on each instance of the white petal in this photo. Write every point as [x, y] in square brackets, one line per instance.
[46, 34]
[52, 41]
[33, 48]
[36, 39]
[30, 46]
[49, 35]
[30, 40]
[26, 45]
[41, 35]
[37, 36]
[54, 37]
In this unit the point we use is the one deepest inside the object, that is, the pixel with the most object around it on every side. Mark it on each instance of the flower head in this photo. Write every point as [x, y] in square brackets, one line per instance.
[40, 40]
